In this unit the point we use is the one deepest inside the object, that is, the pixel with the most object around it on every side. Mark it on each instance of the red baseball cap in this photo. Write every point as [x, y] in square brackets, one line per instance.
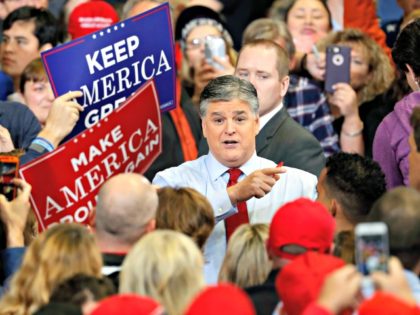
[223, 299]
[128, 304]
[90, 17]
[298, 284]
[302, 222]
[386, 304]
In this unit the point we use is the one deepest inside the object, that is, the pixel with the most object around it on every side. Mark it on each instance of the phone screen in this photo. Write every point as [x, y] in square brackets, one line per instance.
[372, 253]
[8, 171]
[214, 46]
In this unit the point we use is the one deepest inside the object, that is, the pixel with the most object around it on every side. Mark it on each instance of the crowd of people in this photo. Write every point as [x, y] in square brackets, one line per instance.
[255, 204]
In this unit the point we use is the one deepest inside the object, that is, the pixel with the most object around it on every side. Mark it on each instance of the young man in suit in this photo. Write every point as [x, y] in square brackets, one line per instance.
[280, 138]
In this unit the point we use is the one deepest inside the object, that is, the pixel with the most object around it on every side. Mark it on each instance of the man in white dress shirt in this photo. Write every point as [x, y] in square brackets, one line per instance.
[230, 121]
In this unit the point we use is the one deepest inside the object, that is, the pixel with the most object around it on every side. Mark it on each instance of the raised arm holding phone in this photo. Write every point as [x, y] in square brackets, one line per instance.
[206, 46]
[356, 102]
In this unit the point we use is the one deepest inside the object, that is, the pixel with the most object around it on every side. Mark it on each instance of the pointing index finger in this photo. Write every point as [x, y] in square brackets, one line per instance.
[273, 170]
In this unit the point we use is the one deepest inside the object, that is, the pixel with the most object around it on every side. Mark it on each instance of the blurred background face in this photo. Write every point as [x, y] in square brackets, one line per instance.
[359, 66]
[307, 21]
[69, 7]
[409, 5]
[194, 51]
[142, 6]
[39, 97]
[258, 65]
[19, 47]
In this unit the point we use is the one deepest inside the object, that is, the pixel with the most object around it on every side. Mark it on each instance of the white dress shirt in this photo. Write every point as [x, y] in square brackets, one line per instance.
[266, 118]
[210, 178]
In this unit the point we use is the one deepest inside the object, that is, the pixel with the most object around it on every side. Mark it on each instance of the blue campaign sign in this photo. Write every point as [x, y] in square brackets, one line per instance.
[110, 65]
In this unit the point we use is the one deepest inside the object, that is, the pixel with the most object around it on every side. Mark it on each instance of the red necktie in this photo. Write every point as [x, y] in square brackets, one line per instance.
[234, 221]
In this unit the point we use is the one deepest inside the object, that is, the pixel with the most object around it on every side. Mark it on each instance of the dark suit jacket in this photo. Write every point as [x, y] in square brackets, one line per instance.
[283, 139]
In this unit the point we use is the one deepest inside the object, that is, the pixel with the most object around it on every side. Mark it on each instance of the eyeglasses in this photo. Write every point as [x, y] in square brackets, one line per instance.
[197, 43]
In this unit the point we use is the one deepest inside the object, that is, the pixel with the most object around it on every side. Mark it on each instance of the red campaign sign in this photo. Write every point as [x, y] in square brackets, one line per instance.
[66, 181]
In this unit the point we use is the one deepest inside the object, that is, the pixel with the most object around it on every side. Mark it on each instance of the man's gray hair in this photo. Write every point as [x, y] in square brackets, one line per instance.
[227, 88]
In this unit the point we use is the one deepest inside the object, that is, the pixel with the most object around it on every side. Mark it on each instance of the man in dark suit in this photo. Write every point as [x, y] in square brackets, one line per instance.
[265, 65]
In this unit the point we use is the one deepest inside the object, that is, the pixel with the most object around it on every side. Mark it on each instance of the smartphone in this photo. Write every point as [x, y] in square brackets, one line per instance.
[337, 66]
[214, 46]
[372, 247]
[9, 166]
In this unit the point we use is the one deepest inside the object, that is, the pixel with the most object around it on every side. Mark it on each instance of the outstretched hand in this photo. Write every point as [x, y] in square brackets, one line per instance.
[62, 118]
[257, 184]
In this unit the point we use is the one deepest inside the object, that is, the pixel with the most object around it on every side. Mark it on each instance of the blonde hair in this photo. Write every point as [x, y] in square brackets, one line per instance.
[56, 255]
[379, 64]
[246, 262]
[166, 266]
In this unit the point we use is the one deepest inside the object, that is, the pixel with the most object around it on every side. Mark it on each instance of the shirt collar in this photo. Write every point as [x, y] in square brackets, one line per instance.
[266, 118]
[217, 169]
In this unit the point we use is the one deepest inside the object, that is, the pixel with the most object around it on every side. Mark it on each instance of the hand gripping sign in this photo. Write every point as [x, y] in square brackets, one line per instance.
[66, 181]
[111, 64]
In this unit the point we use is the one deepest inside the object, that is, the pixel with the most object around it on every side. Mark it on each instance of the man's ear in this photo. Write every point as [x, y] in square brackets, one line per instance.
[203, 127]
[271, 255]
[45, 47]
[410, 71]
[284, 85]
[413, 77]
[257, 121]
[334, 207]
[292, 63]
[92, 218]
[151, 226]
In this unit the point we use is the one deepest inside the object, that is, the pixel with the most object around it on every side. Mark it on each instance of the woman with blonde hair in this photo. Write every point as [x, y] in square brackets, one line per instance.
[166, 266]
[246, 262]
[358, 106]
[59, 253]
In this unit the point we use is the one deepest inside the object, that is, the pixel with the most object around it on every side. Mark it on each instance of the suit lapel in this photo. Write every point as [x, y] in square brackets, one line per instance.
[270, 129]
